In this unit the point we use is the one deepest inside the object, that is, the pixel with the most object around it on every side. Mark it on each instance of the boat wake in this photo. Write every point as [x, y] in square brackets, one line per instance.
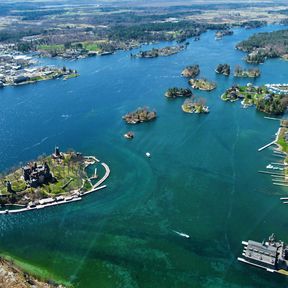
[181, 234]
[36, 144]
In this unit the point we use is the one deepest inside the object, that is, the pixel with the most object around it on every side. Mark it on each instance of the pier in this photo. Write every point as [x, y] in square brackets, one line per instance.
[271, 173]
[271, 143]
[266, 146]
[107, 173]
[271, 118]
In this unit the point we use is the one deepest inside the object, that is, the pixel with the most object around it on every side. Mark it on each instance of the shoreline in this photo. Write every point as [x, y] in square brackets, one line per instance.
[14, 270]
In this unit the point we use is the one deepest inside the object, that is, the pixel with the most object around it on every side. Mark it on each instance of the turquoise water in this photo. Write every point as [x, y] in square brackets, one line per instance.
[201, 179]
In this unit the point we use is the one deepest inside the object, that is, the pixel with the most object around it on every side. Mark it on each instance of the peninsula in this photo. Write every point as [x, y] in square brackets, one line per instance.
[18, 69]
[53, 180]
[178, 92]
[191, 71]
[264, 100]
[202, 84]
[261, 46]
[139, 116]
[158, 52]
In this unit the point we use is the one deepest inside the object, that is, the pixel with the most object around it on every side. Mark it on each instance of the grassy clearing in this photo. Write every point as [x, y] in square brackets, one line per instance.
[91, 46]
[52, 47]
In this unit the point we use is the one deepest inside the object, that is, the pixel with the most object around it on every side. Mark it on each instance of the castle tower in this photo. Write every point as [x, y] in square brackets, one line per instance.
[57, 152]
[9, 187]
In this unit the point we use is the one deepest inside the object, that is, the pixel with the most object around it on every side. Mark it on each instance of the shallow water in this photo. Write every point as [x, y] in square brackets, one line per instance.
[201, 180]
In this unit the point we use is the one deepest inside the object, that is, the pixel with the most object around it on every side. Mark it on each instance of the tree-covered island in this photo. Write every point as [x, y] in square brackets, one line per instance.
[261, 97]
[221, 33]
[52, 180]
[191, 105]
[261, 46]
[191, 71]
[250, 73]
[202, 84]
[178, 92]
[223, 69]
[139, 116]
[158, 52]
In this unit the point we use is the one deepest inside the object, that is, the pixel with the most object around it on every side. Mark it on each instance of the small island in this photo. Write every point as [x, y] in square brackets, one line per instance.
[129, 135]
[221, 33]
[191, 71]
[158, 52]
[261, 97]
[139, 116]
[52, 180]
[223, 69]
[202, 84]
[195, 106]
[244, 73]
[178, 92]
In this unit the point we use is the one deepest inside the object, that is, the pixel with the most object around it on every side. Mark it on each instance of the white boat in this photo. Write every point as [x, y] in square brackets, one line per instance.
[269, 166]
[148, 154]
[181, 234]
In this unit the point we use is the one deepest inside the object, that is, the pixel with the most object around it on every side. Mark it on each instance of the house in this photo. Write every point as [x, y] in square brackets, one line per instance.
[36, 175]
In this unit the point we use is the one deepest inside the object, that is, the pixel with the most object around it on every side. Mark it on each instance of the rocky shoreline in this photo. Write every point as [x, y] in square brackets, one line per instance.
[13, 277]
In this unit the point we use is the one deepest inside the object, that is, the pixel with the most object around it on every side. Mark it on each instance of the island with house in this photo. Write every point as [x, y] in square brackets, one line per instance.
[197, 106]
[261, 96]
[52, 180]
[202, 84]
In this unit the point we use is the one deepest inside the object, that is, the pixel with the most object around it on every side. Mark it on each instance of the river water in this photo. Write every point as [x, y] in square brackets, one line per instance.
[202, 177]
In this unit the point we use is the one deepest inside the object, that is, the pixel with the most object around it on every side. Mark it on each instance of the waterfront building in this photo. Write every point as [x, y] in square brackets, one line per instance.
[271, 255]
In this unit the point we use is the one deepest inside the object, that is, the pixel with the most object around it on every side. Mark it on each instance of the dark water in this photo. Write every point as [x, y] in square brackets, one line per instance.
[201, 179]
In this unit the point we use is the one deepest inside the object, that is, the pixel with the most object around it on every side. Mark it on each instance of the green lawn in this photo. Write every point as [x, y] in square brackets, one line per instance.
[58, 47]
[91, 46]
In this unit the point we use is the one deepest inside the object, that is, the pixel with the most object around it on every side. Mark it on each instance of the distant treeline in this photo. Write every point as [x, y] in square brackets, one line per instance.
[275, 42]
[158, 31]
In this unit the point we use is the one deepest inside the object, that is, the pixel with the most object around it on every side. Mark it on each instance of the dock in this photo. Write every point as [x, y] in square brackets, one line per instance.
[272, 173]
[271, 118]
[280, 184]
[267, 145]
